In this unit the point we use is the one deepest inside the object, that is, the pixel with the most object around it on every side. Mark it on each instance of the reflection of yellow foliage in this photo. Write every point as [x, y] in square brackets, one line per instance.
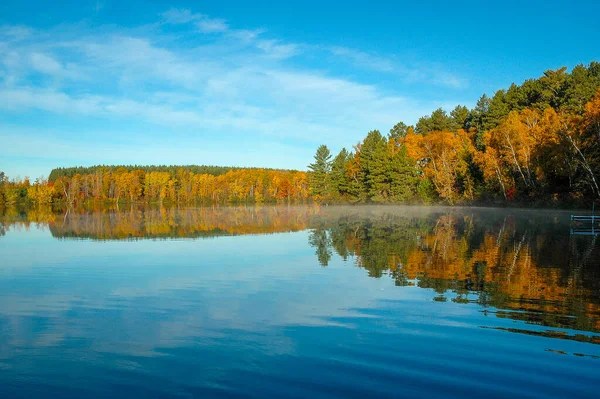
[42, 215]
[508, 264]
[393, 261]
[157, 222]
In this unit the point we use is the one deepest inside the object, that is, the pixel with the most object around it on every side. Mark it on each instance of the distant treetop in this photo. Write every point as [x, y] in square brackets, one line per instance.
[172, 169]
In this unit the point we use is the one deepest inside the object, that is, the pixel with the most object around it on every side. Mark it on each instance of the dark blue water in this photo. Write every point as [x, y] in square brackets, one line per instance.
[297, 303]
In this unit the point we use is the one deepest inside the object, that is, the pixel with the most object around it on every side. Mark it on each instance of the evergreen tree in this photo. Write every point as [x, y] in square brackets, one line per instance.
[374, 167]
[398, 131]
[319, 178]
[553, 83]
[516, 97]
[338, 178]
[580, 86]
[531, 91]
[476, 118]
[460, 116]
[437, 121]
[497, 111]
[402, 176]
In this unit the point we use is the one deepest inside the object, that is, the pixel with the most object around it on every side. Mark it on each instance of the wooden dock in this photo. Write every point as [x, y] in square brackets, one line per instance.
[590, 219]
[585, 232]
[585, 225]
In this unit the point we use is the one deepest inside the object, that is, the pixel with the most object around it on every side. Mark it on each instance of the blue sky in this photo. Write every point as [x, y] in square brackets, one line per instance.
[256, 83]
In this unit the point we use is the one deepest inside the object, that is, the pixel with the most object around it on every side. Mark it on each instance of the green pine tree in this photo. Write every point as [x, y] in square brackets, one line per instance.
[338, 179]
[318, 180]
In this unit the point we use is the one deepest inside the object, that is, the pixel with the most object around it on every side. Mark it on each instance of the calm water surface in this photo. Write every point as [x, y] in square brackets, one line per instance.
[298, 302]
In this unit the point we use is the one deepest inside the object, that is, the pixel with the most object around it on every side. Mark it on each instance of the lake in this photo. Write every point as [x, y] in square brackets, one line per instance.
[297, 302]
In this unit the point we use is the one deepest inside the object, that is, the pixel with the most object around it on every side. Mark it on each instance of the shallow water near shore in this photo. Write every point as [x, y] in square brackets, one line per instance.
[296, 302]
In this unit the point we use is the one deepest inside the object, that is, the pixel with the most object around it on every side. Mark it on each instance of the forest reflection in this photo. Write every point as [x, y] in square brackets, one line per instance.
[519, 265]
[147, 222]
[524, 263]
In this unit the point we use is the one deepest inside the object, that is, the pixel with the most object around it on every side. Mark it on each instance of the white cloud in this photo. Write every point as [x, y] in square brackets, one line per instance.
[15, 33]
[11, 65]
[208, 25]
[275, 49]
[363, 59]
[203, 22]
[272, 48]
[245, 35]
[417, 73]
[48, 100]
[446, 79]
[178, 16]
[45, 64]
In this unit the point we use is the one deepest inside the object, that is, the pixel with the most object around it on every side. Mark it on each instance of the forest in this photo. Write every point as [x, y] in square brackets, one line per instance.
[534, 144]
[150, 184]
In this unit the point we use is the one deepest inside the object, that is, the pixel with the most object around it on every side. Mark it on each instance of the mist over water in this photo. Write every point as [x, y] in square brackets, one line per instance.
[298, 301]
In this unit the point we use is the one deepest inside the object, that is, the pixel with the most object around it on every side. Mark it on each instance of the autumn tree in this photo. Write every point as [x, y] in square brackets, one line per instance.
[584, 139]
[41, 192]
[353, 173]
[444, 157]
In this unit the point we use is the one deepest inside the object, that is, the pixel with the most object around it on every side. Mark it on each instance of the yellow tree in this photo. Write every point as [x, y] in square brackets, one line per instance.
[186, 185]
[493, 169]
[589, 141]
[68, 187]
[155, 182]
[444, 157]
[512, 144]
[41, 192]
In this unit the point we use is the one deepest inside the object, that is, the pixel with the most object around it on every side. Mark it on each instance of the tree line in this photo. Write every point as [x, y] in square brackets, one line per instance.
[538, 142]
[172, 169]
[179, 186]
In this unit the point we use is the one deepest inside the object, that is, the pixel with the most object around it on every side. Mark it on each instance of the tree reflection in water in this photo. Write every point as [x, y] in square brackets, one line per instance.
[517, 264]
